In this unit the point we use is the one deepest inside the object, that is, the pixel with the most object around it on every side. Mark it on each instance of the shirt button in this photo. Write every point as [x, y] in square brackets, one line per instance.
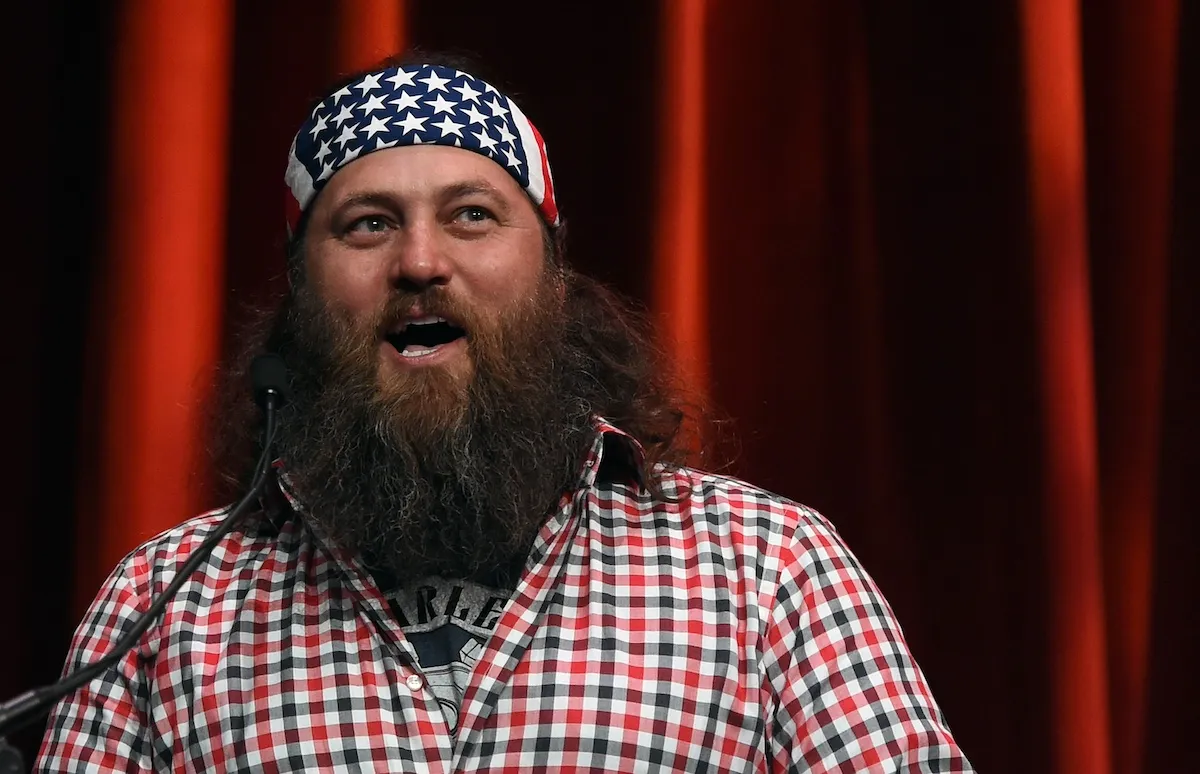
[414, 683]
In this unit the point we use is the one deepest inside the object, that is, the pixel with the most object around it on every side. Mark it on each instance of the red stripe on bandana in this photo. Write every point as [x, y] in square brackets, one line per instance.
[549, 205]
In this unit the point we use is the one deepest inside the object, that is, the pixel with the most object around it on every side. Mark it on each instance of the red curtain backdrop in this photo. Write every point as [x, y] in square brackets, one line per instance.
[680, 259]
[154, 326]
[1062, 297]
[939, 266]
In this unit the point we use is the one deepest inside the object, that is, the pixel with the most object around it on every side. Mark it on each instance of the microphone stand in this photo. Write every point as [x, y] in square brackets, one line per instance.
[26, 707]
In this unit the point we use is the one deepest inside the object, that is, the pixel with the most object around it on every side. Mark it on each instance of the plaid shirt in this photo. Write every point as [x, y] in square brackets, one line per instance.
[731, 632]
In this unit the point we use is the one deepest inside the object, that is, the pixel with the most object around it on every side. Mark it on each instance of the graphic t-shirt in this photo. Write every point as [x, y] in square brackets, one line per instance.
[448, 622]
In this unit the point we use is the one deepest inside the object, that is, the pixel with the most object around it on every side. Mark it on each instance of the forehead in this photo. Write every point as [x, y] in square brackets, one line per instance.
[418, 171]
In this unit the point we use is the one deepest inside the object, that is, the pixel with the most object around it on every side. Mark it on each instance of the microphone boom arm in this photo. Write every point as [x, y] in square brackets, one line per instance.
[26, 707]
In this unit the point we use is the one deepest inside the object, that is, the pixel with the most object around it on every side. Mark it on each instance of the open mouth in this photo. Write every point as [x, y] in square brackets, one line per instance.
[423, 336]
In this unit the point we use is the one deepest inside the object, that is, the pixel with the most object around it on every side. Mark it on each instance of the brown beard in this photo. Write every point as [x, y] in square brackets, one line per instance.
[473, 504]
[428, 472]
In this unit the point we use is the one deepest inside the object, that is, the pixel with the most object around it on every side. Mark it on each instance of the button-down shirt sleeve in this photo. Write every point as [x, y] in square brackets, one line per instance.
[849, 695]
[102, 726]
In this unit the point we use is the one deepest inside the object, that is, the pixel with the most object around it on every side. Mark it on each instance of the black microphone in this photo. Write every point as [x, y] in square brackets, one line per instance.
[268, 374]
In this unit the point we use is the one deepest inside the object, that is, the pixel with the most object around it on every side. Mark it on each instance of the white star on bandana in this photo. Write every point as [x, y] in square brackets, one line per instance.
[411, 123]
[435, 82]
[474, 116]
[346, 136]
[369, 83]
[498, 110]
[486, 141]
[405, 101]
[402, 78]
[319, 126]
[373, 103]
[377, 125]
[449, 127]
[468, 93]
[441, 105]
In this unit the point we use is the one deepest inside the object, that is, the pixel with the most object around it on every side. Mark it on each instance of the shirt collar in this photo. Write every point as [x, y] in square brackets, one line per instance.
[618, 455]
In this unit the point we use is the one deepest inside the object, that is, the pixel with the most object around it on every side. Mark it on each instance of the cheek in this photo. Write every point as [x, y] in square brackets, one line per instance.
[509, 275]
[350, 287]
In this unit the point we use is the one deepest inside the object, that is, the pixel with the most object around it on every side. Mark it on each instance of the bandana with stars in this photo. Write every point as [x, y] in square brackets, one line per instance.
[414, 105]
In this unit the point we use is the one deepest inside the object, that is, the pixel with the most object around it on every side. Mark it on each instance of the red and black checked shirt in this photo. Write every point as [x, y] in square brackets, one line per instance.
[734, 632]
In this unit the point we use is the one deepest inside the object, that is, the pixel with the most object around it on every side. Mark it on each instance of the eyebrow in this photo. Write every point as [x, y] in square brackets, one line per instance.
[445, 193]
[469, 186]
[472, 187]
[370, 198]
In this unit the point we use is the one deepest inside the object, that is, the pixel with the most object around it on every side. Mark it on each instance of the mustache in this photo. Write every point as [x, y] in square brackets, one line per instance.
[435, 301]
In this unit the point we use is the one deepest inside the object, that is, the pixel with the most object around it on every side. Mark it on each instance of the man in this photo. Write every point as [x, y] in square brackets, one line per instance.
[481, 551]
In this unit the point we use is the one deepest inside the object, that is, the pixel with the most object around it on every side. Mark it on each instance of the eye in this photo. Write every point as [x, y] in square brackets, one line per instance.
[369, 224]
[474, 214]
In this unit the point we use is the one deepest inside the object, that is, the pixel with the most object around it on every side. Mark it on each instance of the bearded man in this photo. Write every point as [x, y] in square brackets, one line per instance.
[480, 549]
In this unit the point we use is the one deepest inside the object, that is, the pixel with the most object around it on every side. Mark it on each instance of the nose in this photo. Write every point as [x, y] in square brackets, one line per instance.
[420, 259]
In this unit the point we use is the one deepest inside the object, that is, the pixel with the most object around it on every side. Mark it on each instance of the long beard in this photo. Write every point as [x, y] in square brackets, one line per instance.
[432, 472]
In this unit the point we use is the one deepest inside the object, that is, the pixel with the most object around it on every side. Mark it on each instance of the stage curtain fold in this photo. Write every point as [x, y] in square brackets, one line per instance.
[155, 313]
[680, 284]
[1130, 53]
[367, 31]
[1054, 85]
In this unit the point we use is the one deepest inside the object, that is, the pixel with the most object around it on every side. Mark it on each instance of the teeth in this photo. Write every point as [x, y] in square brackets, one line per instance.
[427, 320]
[411, 351]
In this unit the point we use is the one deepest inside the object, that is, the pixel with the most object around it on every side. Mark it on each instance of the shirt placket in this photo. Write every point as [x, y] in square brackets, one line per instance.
[435, 738]
[510, 640]
[517, 625]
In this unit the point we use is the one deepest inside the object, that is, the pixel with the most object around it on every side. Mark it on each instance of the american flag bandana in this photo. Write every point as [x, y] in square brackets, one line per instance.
[416, 105]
